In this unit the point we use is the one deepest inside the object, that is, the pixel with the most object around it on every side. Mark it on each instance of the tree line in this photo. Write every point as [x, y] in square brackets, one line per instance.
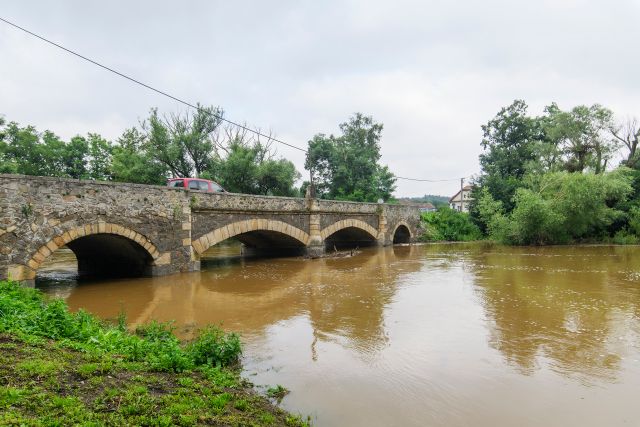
[564, 176]
[200, 144]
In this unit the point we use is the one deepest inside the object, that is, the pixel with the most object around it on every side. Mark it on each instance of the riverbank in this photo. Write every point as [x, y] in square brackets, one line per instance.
[63, 368]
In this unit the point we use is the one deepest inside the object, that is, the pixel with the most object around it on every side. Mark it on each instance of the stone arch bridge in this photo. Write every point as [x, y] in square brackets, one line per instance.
[135, 229]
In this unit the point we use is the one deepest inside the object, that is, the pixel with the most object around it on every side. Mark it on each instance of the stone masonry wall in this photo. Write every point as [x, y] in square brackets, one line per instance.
[40, 214]
[36, 210]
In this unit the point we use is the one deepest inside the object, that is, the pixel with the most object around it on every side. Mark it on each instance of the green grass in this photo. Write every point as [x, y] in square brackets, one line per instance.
[63, 368]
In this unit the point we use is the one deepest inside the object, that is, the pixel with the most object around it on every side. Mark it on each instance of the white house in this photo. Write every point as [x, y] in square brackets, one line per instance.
[461, 200]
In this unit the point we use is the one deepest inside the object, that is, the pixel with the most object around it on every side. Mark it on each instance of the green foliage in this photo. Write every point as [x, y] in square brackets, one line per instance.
[346, 167]
[24, 312]
[248, 167]
[213, 347]
[183, 142]
[534, 221]
[449, 225]
[132, 161]
[37, 368]
[23, 150]
[517, 144]
[557, 208]
[179, 145]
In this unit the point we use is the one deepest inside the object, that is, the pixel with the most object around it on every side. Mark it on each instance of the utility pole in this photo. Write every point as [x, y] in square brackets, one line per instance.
[461, 198]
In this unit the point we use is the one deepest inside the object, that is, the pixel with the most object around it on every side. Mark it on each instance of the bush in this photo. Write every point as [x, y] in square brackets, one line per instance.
[623, 237]
[448, 225]
[215, 348]
[534, 221]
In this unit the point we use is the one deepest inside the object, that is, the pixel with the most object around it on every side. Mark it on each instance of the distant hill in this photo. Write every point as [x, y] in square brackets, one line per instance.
[437, 201]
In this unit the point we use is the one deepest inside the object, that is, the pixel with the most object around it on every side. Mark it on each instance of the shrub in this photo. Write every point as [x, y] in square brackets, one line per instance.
[214, 348]
[448, 225]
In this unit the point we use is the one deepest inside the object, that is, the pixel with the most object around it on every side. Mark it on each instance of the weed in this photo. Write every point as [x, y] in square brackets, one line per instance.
[27, 210]
[186, 381]
[193, 202]
[240, 405]
[215, 348]
[177, 212]
[220, 401]
[10, 396]
[37, 368]
[278, 392]
[267, 419]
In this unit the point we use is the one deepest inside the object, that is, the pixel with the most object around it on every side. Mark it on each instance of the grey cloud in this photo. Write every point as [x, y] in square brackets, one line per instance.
[432, 71]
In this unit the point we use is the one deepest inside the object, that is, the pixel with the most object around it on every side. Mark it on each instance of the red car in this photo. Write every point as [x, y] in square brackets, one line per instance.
[196, 184]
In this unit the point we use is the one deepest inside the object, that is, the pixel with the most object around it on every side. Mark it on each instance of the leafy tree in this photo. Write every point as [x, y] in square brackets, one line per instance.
[247, 166]
[511, 142]
[131, 161]
[183, 143]
[99, 158]
[346, 167]
[74, 157]
[277, 178]
[582, 135]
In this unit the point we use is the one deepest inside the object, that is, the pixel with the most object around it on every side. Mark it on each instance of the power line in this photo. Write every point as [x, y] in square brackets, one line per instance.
[175, 98]
[431, 180]
[138, 82]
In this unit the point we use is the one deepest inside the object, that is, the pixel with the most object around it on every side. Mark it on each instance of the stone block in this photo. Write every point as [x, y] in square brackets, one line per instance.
[21, 272]
[164, 259]
[44, 250]
[66, 237]
[217, 236]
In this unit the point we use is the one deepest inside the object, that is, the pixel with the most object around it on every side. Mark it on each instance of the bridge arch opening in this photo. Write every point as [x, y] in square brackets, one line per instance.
[100, 250]
[349, 238]
[349, 233]
[259, 237]
[401, 234]
[110, 255]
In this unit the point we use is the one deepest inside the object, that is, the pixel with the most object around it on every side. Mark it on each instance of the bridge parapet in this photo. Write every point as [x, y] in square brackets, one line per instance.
[120, 227]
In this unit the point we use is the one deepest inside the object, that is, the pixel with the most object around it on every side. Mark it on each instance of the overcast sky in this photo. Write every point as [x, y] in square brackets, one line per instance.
[431, 71]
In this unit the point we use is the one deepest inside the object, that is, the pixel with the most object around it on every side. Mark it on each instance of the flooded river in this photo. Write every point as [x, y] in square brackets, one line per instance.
[434, 335]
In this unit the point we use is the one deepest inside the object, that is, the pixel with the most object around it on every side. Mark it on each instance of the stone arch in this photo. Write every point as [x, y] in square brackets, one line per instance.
[240, 227]
[29, 270]
[347, 223]
[398, 235]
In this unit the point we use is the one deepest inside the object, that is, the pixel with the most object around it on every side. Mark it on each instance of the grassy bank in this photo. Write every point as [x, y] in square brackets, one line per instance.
[62, 368]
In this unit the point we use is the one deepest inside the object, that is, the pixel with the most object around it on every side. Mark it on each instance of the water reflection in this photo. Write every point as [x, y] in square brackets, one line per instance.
[569, 305]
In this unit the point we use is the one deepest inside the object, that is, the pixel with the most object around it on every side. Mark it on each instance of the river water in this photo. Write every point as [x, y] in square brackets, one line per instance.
[433, 335]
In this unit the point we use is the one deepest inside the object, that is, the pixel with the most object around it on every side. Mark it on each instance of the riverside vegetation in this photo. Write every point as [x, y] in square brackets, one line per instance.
[64, 368]
[549, 180]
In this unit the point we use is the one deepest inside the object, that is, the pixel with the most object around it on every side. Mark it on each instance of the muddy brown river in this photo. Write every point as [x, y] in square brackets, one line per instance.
[434, 335]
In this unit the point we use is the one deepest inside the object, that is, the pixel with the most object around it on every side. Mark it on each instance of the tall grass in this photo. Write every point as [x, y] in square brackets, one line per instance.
[27, 314]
